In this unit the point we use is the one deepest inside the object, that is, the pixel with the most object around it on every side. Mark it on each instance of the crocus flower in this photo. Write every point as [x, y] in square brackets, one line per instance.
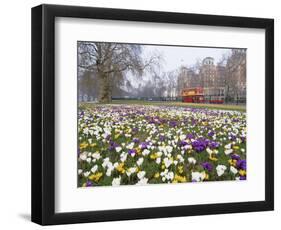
[241, 164]
[132, 152]
[235, 157]
[208, 166]
[116, 181]
[89, 183]
[220, 169]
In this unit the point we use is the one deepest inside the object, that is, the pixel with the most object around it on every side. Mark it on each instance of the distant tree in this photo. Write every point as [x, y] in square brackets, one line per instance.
[236, 73]
[171, 83]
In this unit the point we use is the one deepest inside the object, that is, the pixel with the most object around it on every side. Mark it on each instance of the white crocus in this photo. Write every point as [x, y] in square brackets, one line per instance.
[123, 156]
[182, 137]
[145, 152]
[131, 171]
[228, 151]
[191, 160]
[228, 146]
[180, 158]
[167, 162]
[86, 131]
[140, 161]
[169, 149]
[220, 169]
[186, 147]
[94, 168]
[142, 181]
[158, 160]
[116, 181]
[105, 162]
[86, 174]
[83, 156]
[130, 146]
[233, 170]
[91, 132]
[170, 176]
[110, 168]
[197, 176]
[96, 155]
[118, 149]
[89, 159]
[209, 151]
[141, 174]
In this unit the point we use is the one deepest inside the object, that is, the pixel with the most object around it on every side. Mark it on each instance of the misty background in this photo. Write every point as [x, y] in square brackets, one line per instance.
[113, 70]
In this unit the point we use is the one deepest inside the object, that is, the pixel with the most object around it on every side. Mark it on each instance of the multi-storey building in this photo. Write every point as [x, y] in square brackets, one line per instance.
[226, 81]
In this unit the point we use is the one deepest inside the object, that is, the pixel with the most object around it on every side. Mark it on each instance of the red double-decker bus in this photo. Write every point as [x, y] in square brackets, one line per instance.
[212, 95]
[193, 95]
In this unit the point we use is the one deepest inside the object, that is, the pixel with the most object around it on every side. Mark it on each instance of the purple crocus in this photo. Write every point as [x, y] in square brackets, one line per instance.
[132, 151]
[211, 133]
[144, 145]
[235, 157]
[242, 177]
[136, 140]
[89, 184]
[200, 144]
[162, 138]
[232, 137]
[241, 164]
[207, 166]
[182, 143]
[135, 130]
[243, 139]
[173, 123]
[213, 144]
[108, 137]
[112, 145]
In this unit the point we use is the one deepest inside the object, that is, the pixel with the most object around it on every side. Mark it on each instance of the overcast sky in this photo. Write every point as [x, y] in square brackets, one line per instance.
[175, 56]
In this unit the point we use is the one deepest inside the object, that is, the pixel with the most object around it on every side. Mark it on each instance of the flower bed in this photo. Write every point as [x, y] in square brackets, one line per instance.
[145, 144]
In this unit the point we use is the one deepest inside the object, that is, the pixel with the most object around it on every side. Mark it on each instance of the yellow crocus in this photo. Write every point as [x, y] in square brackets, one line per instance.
[93, 145]
[156, 175]
[120, 168]
[96, 176]
[232, 162]
[180, 169]
[206, 177]
[242, 172]
[138, 149]
[179, 178]
[153, 156]
[213, 158]
[84, 145]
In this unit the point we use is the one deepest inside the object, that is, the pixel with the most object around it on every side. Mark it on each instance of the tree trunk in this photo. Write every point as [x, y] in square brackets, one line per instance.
[104, 88]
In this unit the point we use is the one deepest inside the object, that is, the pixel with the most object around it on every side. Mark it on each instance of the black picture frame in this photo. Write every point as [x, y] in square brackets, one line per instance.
[43, 114]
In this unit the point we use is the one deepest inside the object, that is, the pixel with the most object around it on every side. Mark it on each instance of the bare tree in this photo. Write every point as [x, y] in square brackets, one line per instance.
[110, 62]
[236, 73]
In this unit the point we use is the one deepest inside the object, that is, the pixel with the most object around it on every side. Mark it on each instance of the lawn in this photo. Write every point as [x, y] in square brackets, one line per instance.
[241, 108]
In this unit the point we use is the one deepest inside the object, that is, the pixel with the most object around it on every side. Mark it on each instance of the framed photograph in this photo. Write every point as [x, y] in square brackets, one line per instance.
[142, 114]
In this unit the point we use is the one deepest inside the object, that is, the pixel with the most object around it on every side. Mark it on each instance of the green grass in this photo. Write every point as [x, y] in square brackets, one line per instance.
[241, 108]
